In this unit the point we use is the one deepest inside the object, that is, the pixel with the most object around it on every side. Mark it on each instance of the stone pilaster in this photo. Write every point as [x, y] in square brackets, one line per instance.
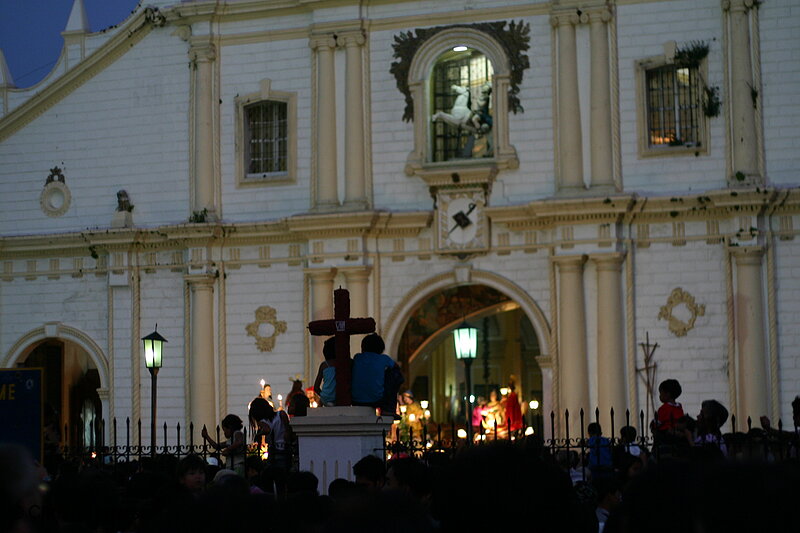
[573, 370]
[355, 180]
[203, 57]
[327, 193]
[752, 362]
[321, 307]
[743, 117]
[610, 342]
[357, 279]
[201, 354]
[570, 144]
[600, 134]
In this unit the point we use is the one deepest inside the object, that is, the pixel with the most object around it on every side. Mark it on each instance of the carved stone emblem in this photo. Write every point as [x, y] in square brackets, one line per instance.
[267, 316]
[681, 312]
[56, 197]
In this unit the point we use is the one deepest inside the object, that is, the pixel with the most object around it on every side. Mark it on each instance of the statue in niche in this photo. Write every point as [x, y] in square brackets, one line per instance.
[474, 119]
[124, 201]
[460, 115]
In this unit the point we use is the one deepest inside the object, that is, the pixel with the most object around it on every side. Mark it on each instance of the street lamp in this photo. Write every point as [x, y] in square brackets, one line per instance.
[153, 345]
[466, 341]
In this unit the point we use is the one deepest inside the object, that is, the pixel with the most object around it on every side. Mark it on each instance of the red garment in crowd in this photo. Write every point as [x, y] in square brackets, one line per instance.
[513, 411]
[668, 414]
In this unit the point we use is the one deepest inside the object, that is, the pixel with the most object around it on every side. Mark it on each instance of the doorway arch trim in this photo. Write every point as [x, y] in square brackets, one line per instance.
[401, 314]
[60, 331]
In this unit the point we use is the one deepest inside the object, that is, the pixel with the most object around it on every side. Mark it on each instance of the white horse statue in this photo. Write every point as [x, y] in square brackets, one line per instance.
[460, 114]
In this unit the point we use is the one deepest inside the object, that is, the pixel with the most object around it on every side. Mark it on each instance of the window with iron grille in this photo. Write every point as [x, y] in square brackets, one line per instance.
[674, 111]
[470, 69]
[266, 138]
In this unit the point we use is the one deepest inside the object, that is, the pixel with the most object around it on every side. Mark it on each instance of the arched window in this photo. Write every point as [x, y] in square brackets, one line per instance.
[461, 105]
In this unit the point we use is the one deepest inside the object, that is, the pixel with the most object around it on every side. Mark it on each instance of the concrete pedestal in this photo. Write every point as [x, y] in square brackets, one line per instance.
[332, 439]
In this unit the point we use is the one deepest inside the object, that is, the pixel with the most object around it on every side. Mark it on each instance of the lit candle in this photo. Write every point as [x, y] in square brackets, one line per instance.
[280, 402]
[423, 404]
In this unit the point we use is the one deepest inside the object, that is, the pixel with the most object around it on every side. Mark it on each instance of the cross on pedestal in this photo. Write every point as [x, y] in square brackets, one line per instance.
[342, 326]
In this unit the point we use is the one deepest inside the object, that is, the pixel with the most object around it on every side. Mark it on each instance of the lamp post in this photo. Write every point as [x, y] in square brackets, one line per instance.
[153, 345]
[466, 342]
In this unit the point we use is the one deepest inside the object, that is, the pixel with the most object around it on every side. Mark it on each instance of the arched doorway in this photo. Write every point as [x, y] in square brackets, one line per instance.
[72, 406]
[508, 347]
[75, 383]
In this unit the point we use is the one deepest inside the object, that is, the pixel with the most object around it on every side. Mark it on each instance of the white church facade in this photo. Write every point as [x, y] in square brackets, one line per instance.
[573, 177]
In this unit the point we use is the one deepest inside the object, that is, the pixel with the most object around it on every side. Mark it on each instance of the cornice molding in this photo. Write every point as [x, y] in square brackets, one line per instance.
[138, 27]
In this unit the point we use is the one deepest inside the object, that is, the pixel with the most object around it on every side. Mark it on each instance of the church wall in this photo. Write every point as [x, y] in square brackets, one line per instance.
[787, 295]
[133, 116]
[120, 351]
[699, 359]
[246, 289]
[29, 304]
[642, 30]
[392, 139]
[287, 63]
[162, 303]
[780, 84]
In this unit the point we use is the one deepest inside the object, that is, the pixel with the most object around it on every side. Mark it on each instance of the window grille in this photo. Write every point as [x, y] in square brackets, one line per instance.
[266, 137]
[673, 106]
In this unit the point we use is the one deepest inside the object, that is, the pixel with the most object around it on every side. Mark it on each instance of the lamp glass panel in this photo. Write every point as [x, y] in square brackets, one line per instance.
[466, 342]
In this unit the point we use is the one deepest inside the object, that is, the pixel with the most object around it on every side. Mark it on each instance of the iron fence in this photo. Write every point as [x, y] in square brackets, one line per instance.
[445, 440]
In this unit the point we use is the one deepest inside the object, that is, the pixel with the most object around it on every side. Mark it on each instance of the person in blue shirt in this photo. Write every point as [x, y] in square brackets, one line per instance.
[325, 384]
[599, 452]
[370, 383]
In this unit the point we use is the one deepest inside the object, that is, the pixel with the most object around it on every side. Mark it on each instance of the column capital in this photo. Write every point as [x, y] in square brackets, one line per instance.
[322, 42]
[748, 255]
[356, 273]
[317, 275]
[200, 281]
[569, 263]
[598, 14]
[102, 394]
[608, 261]
[203, 52]
[737, 5]
[570, 18]
[351, 38]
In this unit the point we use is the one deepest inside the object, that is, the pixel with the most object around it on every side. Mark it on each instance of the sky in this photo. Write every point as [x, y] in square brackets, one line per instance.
[30, 32]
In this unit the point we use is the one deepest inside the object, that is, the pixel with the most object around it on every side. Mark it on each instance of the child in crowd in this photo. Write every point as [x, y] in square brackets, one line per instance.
[233, 449]
[599, 452]
[191, 474]
[710, 420]
[325, 384]
[670, 411]
[627, 435]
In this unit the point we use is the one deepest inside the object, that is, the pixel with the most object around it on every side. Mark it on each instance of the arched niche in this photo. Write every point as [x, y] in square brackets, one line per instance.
[482, 170]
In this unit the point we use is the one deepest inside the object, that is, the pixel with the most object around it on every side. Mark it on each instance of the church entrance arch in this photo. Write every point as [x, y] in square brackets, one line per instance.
[513, 338]
[74, 383]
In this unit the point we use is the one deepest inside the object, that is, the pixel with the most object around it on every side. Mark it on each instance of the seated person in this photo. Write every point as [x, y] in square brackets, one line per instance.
[369, 376]
[325, 384]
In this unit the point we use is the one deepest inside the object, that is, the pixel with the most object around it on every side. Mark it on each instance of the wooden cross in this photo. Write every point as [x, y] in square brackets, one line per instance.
[649, 370]
[342, 326]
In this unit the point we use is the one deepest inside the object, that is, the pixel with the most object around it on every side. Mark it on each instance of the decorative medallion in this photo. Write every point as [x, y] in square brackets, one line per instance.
[515, 41]
[266, 315]
[679, 301]
[56, 197]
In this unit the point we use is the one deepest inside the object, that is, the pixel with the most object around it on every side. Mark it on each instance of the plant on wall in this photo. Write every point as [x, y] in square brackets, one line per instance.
[515, 40]
[692, 55]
